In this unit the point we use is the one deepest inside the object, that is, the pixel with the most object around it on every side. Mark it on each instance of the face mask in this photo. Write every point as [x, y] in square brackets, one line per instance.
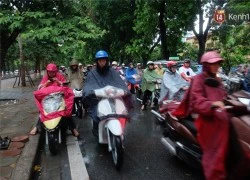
[212, 82]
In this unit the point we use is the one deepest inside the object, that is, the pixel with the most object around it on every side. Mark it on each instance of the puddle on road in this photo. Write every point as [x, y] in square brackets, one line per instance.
[6, 102]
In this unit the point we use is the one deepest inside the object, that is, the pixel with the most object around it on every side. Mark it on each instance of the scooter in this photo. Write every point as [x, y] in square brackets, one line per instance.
[179, 136]
[133, 87]
[153, 101]
[78, 105]
[52, 102]
[113, 115]
[168, 105]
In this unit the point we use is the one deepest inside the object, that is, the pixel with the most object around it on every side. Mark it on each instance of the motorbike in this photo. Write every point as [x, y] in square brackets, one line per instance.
[78, 105]
[52, 102]
[135, 87]
[153, 101]
[113, 115]
[180, 135]
[234, 82]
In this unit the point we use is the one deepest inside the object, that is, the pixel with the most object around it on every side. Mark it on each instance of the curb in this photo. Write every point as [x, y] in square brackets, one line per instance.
[25, 163]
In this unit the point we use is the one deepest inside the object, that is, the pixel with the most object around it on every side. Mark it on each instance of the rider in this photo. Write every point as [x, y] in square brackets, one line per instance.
[139, 69]
[173, 84]
[80, 66]
[55, 78]
[206, 99]
[186, 72]
[75, 75]
[98, 78]
[115, 65]
[148, 82]
[123, 68]
[246, 82]
[130, 76]
[159, 69]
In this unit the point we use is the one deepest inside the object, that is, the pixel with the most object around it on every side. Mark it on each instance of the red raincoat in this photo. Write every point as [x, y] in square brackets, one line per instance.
[68, 98]
[59, 76]
[212, 125]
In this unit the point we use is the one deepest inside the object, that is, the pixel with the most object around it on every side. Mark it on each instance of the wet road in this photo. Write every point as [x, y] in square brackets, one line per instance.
[145, 158]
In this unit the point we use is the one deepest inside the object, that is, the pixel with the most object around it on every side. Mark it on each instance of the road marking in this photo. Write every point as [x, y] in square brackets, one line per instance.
[77, 166]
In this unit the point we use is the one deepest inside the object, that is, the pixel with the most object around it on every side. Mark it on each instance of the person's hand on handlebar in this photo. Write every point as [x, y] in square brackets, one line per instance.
[218, 104]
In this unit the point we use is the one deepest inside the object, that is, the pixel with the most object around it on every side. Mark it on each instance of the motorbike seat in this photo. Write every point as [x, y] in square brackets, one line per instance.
[188, 122]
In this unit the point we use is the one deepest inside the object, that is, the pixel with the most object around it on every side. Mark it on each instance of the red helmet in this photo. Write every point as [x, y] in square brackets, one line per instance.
[51, 67]
[171, 64]
[211, 57]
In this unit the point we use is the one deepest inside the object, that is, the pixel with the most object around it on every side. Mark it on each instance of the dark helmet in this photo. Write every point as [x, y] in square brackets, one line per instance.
[101, 54]
[187, 61]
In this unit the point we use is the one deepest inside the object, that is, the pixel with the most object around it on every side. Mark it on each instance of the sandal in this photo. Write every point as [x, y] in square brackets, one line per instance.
[75, 133]
[34, 131]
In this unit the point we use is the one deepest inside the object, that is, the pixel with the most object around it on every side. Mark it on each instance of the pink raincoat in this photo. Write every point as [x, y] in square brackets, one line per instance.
[212, 125]
[68, 96]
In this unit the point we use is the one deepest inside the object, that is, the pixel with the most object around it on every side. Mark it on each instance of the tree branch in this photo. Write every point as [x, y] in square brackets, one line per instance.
[195, 32]
[207, 28]
[155, 44]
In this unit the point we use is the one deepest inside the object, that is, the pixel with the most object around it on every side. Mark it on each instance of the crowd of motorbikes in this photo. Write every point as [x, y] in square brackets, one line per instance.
[179, 135]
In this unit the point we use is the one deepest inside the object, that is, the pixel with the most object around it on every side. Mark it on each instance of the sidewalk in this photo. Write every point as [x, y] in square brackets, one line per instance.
[16, 120]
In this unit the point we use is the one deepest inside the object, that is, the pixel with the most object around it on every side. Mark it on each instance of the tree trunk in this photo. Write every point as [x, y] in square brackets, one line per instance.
[162, 26]
[202, 44]
[37, 73]
[22, 68]
[6, 40]
[202, 36]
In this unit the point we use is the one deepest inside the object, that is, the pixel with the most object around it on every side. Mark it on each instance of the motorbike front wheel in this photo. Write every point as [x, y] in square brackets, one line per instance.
[117, 151]
[53, 142]
[79, 109]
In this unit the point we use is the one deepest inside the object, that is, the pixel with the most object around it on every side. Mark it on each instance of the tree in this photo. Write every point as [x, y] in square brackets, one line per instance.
[56, 22]
[233, 35]
[116, 17]
[205, 8]
[160, 22]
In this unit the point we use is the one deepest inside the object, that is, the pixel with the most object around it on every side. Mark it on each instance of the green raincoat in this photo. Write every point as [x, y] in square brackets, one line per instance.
[148, 77]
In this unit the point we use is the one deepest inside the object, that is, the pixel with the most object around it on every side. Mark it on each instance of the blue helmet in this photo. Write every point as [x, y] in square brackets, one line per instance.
[101, 54]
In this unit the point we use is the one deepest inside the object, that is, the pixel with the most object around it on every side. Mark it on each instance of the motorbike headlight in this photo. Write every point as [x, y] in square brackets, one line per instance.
[77, 93]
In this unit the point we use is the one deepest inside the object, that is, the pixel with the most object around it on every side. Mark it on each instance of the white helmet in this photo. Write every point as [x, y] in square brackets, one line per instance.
[80, 64]
[114, 63]
[150, 62]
